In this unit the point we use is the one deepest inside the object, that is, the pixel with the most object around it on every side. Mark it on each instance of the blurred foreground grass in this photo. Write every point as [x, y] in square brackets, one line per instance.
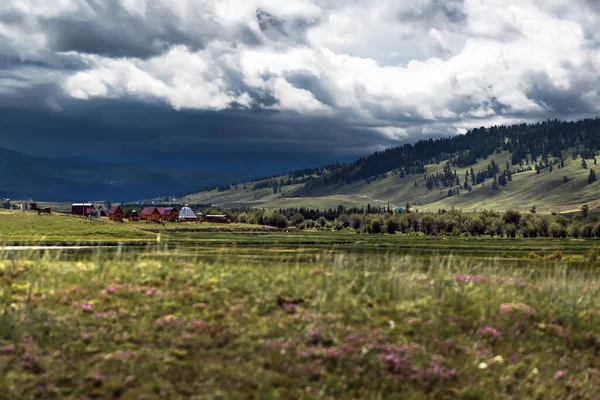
[340, 326]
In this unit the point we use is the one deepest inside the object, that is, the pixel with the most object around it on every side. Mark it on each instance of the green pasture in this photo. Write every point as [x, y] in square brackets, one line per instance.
[337, 316]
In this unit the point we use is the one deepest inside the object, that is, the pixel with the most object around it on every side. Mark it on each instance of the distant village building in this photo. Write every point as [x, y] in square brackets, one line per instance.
[187, 215]
[116, 214]
[150, 214]
[29, 205]
[133, 215]
[168, 214]
[83, 209]
[217, 219]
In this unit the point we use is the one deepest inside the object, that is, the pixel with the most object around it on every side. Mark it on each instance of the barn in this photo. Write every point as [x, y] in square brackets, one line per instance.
[83, 209]
[116, 214]
[217, 219]
[168, 214]
[133, 215]
[29, 205]
[150, 214]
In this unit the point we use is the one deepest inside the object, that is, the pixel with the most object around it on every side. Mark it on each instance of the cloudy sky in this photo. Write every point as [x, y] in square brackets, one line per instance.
[252, 85]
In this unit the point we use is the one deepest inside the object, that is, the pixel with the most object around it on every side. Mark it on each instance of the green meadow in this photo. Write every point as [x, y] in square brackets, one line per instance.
[199, 313]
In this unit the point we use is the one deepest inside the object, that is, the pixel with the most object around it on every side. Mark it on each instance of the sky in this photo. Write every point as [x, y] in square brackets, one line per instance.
[255, 86]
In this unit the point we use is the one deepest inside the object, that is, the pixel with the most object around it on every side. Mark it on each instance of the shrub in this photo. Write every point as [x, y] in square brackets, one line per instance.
[557, 230]
[376, 225]
[392, 226]
[510, 230]
[297, 219]
[512, 217]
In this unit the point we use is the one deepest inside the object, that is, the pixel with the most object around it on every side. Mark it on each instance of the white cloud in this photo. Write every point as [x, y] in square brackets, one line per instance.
[408, 66]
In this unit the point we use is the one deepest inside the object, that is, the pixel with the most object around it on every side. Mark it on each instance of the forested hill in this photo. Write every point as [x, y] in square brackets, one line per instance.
[431, 171]
[537, 143]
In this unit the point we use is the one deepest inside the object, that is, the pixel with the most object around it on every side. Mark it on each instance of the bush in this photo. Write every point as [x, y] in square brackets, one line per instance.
[322, 222]
[512, 217]
[392, 226]
[427, 224]
[510, 230]
[556, 230]
[297, 219]
[376, 225]
[275, 219]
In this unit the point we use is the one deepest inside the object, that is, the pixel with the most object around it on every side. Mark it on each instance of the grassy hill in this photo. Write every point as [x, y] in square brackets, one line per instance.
[547, 191]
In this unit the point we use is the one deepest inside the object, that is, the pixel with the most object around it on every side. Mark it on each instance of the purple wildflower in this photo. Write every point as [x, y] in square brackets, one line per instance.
[560, 374]
[98, 376]
[319, 271]
[510, 307]
[468, 278]
[85, 336]
[8, 349]
[87, 307]
[514, 357]
[489, 331]
[110, 290]
[197, 323]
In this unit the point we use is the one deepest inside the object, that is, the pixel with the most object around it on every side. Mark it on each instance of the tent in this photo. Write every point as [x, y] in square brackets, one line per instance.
[187, 215]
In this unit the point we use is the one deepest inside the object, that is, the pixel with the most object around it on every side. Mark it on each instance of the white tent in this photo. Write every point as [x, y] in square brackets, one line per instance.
[186, 214]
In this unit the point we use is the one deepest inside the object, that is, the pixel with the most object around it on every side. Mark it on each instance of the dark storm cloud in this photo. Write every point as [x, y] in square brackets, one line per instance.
[113, 32]
[321, 78]
[563, 101]
[436, 13]
[309, 81]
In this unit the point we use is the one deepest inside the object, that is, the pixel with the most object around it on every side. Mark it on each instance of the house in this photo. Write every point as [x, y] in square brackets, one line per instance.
[150, 214]
[29, 205]
[168, 214]
[83, 209]
[133, 215]
[217, 219]
[116, 214]
[187, 215]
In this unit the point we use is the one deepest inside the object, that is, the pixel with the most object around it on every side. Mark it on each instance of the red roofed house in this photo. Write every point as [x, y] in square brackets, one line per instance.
[168, 214]
[84, 209]
[116, 214]
[150, 214]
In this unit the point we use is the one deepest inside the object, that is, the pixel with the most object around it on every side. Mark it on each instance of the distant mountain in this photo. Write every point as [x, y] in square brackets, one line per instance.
[73, 179]
[546, 165]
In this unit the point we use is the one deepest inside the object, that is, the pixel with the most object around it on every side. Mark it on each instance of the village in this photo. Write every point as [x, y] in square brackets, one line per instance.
[118, 214]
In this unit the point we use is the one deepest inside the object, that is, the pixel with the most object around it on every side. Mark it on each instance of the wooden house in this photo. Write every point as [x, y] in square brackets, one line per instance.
[133, 215]
[116, 214]
[216, 219]
[83, 209]
[150, 214]
[29, 205]
[168, 214]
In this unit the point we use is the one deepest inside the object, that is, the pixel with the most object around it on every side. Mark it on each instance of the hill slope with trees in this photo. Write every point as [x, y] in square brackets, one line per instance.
[551, 165]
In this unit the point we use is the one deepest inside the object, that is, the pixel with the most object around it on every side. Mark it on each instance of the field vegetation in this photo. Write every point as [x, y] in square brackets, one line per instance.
[323, 321]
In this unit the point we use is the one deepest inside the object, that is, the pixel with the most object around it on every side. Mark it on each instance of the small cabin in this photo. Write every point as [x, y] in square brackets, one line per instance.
[116, 214]
[150, 214]
[133, 215]
[83, 209]
[168, 214]
[216, 219]
[29, 205]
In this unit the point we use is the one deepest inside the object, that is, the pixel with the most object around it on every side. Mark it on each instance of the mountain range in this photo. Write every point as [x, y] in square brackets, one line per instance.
[76, 179]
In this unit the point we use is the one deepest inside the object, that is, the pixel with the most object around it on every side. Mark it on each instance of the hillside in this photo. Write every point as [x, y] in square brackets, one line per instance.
[69, 179]
[401, 175]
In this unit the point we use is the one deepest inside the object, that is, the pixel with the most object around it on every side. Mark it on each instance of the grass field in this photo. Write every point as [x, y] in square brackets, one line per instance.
[29, 227]
[547, 191]
[255, 316]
